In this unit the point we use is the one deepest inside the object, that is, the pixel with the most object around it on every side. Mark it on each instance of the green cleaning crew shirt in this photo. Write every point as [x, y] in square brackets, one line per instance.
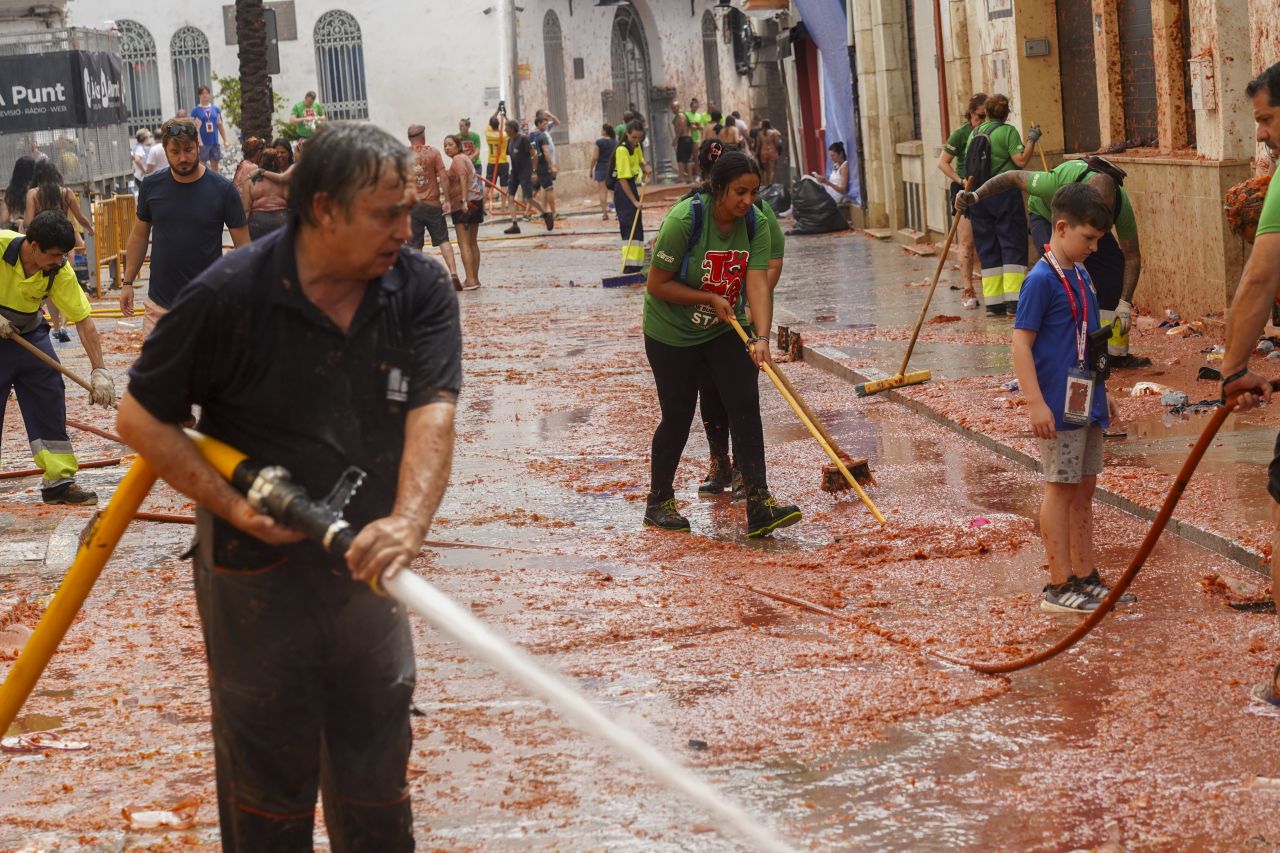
[777, 243]
[717, 263]
[1042, 186]
[1269, 220]
[955, 145]
[1005, 142]
[703, 118]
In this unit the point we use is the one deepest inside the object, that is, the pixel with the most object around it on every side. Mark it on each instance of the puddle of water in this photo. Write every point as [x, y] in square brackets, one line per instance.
[34, 723]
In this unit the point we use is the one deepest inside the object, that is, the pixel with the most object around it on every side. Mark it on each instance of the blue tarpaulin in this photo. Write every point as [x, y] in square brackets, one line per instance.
[827, 26]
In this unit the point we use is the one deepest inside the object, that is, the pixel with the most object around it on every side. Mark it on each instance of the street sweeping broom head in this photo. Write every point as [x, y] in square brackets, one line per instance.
[866, 389]
[834, 481]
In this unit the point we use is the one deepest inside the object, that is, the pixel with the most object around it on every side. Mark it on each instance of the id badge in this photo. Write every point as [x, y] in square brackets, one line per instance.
[208, 127]
[1079, 402]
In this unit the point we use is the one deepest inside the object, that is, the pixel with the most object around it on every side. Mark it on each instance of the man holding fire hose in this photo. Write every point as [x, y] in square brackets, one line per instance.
[323, 346]
[1251, 308]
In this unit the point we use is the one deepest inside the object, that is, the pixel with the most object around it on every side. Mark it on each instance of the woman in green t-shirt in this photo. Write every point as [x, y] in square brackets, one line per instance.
[723, 474]
[951, 164]
[712, 251]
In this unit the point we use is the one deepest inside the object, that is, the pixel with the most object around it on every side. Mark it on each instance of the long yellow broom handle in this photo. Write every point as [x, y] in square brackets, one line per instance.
[933, 285]
[795, 407]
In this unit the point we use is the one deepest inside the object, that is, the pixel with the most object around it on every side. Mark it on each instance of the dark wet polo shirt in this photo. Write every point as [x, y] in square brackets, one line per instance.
[278, 380]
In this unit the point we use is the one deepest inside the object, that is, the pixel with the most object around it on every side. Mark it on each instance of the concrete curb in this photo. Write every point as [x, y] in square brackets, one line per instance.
[831, 361]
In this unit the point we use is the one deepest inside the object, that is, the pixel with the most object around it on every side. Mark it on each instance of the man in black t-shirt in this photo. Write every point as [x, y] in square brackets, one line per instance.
[186, 206]
[324, 345]
[522, 154]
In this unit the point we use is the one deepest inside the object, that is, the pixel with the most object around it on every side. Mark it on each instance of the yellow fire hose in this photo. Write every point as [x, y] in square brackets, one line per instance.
[809, 425]
[95, 549]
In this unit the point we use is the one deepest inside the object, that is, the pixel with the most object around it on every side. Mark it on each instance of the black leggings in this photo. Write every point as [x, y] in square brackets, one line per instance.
[715, 417]
[677, 370]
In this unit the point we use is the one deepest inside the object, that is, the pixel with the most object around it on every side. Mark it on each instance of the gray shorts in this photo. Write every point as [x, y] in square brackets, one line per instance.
[427, 220]
[1074, 454]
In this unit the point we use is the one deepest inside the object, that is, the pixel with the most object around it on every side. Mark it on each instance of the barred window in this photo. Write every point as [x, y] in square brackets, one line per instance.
[190, 51]
[553, 52]
[141, 75]
[340, 65]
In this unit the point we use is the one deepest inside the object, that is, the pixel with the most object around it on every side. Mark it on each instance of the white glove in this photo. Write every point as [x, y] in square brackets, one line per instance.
[964, 199]
[1124, 316]
[6, 328]
[104, 389]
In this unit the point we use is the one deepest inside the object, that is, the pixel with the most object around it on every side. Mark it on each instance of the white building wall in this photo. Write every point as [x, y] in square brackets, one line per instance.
[430, 63]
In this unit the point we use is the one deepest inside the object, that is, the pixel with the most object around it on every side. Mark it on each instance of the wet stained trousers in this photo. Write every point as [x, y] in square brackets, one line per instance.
[43, 402]
[311, 677]
[678, 371]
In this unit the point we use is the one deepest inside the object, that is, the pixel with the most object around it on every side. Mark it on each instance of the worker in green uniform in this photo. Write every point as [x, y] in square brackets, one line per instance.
[1000, 220]
[1116, 265]
[1251, 308]
[951, 164]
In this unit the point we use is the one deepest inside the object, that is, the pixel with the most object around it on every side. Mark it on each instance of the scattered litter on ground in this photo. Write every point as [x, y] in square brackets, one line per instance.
[181, 815]
[1149, 389]
[46, 741]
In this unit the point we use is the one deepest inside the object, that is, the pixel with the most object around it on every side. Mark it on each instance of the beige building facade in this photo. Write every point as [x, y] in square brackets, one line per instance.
[1157, 84]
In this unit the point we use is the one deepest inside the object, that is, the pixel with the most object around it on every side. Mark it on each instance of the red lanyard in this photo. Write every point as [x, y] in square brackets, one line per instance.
[1082, 334]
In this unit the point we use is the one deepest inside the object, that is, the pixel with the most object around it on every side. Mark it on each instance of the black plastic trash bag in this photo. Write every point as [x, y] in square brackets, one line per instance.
[814, 210]
[778, 197]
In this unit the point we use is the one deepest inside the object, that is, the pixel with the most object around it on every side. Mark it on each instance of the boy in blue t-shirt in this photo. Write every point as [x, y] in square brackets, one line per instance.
[212, 131]
[1068, 408]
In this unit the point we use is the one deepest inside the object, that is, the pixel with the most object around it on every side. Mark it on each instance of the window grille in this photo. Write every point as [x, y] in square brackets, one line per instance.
[189, 49]
[340, 65]
[553, 51]
[141, 76]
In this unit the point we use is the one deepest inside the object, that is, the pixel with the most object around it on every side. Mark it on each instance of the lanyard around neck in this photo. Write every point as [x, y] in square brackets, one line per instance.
[1082, 330]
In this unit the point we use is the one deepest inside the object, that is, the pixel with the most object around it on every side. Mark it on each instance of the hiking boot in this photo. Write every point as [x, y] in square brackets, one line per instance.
[1095, 587]
[62, 335]
[719, 476]
[1129, 362]
[664, 515]
[996, 310]
[765, 514]
[68, 493]
[1069, 597]
[514, 229]
[738, 487]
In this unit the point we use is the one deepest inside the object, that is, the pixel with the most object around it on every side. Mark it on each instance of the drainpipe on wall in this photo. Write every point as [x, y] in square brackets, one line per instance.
[942, 67]
[509, 84]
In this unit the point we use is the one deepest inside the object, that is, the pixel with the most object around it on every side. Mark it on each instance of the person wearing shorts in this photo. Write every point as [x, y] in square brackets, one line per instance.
[427, 217]
[1067, 404]
[466, 200]
[521, 153]
[212, 130]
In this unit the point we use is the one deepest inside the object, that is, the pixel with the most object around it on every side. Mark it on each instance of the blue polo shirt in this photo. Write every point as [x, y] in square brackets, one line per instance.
[1043, 308]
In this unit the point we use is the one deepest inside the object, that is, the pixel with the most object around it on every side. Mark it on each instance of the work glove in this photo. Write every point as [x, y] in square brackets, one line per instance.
[104, 389]
[964, 199]
[1033, 133]
[1124, 316]
[6, 328]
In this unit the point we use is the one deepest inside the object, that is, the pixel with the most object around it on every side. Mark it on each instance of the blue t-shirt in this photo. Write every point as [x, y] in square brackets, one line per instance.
[207, 118]
[186, 228]
[1043, 308]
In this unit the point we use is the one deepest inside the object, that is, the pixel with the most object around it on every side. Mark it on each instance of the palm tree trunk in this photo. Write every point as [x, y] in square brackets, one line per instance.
[255, 83]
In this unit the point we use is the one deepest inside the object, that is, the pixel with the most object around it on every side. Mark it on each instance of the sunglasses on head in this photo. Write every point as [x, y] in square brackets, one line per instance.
[175, 131]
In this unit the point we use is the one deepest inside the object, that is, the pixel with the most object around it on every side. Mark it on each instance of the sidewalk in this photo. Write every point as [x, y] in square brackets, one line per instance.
[1226, 508]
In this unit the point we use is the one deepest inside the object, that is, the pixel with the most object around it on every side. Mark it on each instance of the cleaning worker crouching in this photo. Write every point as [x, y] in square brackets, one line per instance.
[325, 345]
[34, 268]
[715, 418]
[1059, 353]
[709, 254]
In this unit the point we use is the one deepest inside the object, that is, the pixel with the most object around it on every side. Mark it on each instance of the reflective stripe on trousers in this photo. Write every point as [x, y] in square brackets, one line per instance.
[42, 401]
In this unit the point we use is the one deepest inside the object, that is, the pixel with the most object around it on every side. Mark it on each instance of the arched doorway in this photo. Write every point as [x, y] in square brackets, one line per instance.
[141, 75]
[631, 79]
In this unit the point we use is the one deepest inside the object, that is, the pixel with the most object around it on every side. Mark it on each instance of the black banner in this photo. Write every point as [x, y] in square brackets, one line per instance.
[64, 89]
